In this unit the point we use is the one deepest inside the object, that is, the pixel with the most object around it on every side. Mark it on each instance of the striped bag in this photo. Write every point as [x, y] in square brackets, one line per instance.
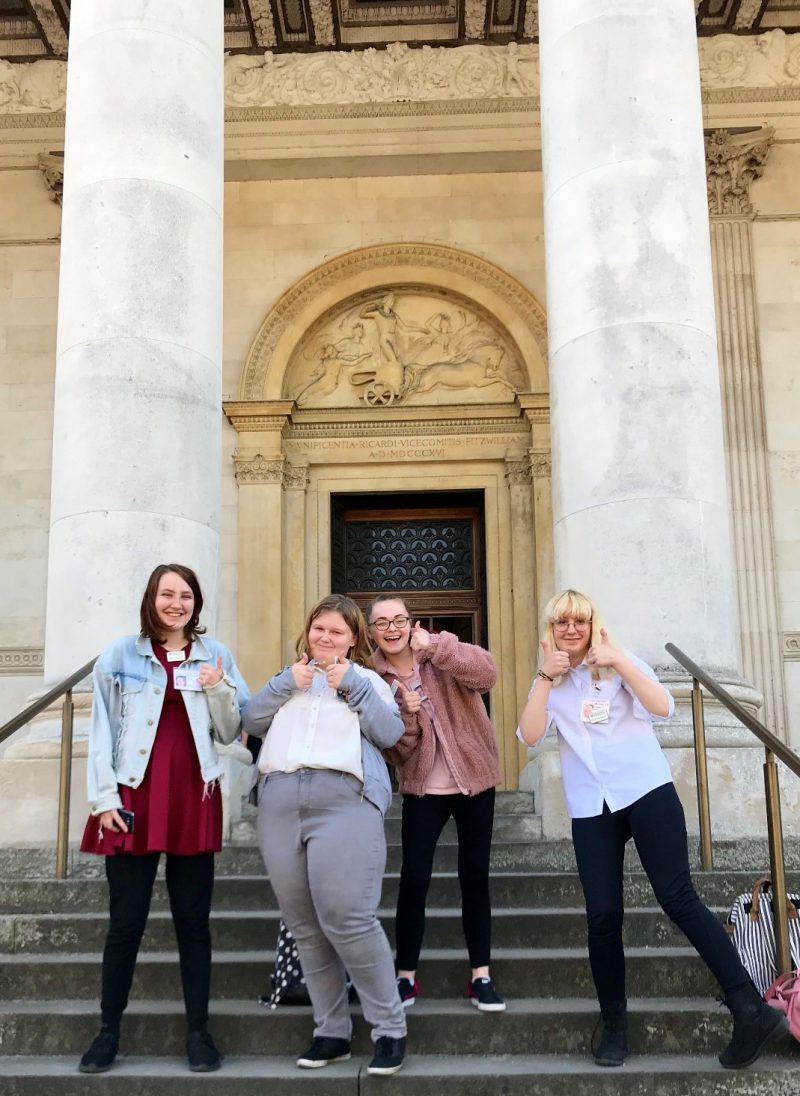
[751, 925]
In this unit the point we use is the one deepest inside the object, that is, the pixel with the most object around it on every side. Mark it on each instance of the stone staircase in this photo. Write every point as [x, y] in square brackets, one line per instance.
[51, 935]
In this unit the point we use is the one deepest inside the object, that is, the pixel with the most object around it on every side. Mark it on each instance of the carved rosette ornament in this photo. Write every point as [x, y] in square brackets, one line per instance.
[258, 469]
[541, 466]
[733, 161]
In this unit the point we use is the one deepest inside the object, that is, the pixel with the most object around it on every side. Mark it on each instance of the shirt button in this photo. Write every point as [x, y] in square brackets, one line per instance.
[142, 751]
[149, 723]
[131, 779]
[157, 692]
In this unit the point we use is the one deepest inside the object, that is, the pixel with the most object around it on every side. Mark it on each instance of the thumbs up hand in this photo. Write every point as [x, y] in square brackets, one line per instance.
[410, 700]
[554, 663]
[211, 675]
[302, 672]
[420, 639]
[602, 653]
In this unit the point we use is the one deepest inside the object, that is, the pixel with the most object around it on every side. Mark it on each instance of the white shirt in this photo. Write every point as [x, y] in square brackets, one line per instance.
[616, 762]
[315, 729]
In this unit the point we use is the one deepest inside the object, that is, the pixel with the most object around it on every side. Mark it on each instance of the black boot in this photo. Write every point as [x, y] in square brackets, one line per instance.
[612, 1050]
[754, 1025]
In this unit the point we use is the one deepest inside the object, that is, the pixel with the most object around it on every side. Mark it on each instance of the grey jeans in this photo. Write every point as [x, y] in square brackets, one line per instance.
[325, 851]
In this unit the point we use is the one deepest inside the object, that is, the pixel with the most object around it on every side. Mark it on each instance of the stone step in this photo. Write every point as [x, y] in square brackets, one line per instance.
[238, 931]
[253, 892]
[503, 1075]
[529, 1026]
[507, 827]
[554, 972]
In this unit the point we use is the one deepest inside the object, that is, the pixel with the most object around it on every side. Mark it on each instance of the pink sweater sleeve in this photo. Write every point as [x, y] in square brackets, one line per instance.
[471, 666]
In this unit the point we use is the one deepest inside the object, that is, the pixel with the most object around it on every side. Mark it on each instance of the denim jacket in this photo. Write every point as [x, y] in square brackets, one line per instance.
[379, 718]
[129, 684]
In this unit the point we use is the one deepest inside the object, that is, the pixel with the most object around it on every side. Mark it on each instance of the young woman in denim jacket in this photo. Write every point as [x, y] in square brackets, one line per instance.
[160, 698]
[323, 789]
[618, 785]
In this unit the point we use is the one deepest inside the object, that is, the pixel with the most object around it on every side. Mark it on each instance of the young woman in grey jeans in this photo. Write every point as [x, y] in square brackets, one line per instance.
[323, 789]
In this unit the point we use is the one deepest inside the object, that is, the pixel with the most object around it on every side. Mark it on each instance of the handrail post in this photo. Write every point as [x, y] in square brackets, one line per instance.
[777, 869]
[64, 785]
[701, 769]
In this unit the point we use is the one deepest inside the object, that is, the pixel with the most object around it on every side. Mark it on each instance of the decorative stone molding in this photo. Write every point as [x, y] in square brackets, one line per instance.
[748, 12]
[295, 476]
[765, 60]
[322, 18]
[258, 469]
[541, 465]
[51, 25]
[518, 472]
[791, 646]
[40, 86]
[263, 23]
[733, 161]
[51, 165]
[21, 661]
[434, 257]
[474, 18]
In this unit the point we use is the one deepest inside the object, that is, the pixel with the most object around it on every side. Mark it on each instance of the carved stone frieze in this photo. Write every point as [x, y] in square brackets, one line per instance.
[474, 18]
[258, 469]
[541, 465]
[40, 86]
[21, 660]
[733, 161]
[51, 165]
[52, 26]
[765, 60]
[518, 472]
[322, 18]
[263, 22]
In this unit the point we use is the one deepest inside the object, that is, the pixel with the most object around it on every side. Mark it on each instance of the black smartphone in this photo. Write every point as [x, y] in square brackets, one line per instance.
[127, 818]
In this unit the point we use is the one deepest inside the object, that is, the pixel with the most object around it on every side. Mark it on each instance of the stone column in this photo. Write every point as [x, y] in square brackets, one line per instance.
[295, 484]
[733, 161]
[137, 423]
[639, 495]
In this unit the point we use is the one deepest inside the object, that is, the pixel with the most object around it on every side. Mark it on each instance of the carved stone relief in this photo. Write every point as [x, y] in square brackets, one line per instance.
[407, 346]
[733, 162]
[258, 469]
[765, 60]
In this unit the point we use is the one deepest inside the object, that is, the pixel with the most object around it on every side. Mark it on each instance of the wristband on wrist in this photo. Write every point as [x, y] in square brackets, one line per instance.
[544, 676]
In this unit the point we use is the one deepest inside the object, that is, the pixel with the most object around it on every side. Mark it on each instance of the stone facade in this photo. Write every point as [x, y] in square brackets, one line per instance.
[418, 191]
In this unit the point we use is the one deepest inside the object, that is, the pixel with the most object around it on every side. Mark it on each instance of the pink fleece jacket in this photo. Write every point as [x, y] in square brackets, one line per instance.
[453, 676]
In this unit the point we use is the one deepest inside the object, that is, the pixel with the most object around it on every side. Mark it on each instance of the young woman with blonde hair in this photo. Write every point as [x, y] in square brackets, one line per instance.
[618, 785]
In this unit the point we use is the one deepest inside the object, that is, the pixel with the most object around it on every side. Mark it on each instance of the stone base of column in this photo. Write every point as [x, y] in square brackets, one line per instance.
[735, 777]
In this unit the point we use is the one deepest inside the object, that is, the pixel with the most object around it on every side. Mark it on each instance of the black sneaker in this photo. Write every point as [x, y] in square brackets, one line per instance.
[101, 1054]
[202, 1054]
[484, 996]
[389, 1054]
[409, 991]
[323, 1051]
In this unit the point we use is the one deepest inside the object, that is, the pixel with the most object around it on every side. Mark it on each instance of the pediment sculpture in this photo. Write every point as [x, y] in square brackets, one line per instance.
[407, 347]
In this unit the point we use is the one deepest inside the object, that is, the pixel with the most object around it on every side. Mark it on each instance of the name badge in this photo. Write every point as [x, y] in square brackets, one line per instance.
[595, 711]
[186, 679]
[174, 656]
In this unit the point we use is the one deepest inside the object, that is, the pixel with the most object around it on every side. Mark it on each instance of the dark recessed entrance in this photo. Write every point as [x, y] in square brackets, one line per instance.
[427, 546]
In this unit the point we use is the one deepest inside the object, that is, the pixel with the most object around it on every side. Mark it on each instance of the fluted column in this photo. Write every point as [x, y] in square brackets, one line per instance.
[639, 492]
[733, 162]
[295, 484]
[137, 422]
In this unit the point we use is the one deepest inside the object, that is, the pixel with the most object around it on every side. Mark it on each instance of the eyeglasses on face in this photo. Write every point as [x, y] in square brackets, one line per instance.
[579, 625]
[382, 623]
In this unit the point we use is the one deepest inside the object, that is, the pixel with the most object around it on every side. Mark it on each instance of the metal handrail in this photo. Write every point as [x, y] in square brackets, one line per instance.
[64, 688]
[773, 748]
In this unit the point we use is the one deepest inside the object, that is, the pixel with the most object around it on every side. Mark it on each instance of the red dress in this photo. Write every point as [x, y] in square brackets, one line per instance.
[174, 811]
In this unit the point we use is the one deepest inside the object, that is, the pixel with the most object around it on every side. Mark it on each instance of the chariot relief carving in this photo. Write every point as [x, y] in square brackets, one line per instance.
[404, 346]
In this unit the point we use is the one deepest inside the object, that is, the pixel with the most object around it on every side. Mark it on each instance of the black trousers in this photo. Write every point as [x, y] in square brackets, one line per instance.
[190, 883]
[657, 825]
[424, 818]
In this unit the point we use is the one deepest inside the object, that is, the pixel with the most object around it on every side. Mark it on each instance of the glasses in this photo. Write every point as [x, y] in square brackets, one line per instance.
[564, 625]
[382, 623]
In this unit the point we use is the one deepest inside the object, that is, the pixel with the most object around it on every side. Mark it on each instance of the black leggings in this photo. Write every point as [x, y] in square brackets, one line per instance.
[190, 883]
[424, 818]
[657, 825]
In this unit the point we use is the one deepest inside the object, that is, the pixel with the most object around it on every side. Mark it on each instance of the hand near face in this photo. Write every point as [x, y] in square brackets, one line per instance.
[602, 654]
[554, 663]
[302, 673]
[410, 701]
[420, 639]
[336, 671]
[211, 675]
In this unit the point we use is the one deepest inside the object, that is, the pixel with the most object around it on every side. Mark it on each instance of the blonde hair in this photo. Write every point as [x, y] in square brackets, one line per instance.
[572, 603]
[354, 619]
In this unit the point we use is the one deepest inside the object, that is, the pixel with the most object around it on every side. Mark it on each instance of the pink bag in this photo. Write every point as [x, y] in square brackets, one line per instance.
[784, 995]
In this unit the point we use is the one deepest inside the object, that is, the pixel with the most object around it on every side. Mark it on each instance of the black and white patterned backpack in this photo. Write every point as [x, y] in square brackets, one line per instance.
[288, 983]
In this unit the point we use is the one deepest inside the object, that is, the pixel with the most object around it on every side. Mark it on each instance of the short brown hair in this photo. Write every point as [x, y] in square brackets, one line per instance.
[384, 597]
[353, 618]
[150, 625]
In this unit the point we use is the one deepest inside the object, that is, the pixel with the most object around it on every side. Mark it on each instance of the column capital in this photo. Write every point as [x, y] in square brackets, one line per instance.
[733, 161]
[258, 469]
[295, 476]
[51, 165]
[541, 465]
[518, 470]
